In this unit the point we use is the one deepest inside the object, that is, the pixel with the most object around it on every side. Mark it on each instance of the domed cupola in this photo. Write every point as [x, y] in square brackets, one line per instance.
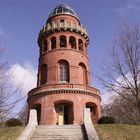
[62, 19]
[63, 9]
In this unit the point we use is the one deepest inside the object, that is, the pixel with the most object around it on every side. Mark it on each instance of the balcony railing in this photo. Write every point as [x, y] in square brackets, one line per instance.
[63, 86]
[65, 26]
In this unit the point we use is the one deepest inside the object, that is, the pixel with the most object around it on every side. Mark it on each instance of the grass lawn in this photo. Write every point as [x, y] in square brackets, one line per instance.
[10, 133]
[105, 132]
[118, 132]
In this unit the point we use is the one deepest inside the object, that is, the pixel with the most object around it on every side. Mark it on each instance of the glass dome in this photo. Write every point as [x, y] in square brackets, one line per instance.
[63, 9]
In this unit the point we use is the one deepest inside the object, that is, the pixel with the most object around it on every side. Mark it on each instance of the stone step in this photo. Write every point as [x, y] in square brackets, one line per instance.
[57, 132]
[62, 138]
[59, 138]
[59, 126]
[65, 130]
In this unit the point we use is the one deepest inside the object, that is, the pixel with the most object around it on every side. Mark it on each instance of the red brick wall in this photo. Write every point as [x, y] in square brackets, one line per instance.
[48, 112]
[74, 57]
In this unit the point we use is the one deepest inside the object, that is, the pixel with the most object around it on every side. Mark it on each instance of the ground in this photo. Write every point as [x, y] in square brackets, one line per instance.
[105, 132]
[118, 132]
[10, 133]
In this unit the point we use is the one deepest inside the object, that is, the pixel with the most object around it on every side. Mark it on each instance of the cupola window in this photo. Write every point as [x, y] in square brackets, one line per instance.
[80, 44]
[53, 42]
[72, 42]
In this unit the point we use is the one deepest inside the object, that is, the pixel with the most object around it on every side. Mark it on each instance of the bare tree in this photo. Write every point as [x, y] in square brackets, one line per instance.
[9, 96]
[23, 114]
[122, 74]
[123, 110]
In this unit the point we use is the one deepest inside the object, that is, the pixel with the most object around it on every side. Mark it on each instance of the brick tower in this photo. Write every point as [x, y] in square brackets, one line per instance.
[63, 86]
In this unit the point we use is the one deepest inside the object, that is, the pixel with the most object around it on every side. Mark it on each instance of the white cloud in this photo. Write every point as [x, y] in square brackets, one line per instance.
[108, 97]
[24, 76]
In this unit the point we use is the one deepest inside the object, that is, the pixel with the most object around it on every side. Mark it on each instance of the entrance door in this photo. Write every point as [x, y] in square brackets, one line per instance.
[64, 113]
[61, 115]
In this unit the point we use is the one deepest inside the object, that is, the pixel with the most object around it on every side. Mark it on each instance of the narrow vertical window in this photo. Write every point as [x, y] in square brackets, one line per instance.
[84, 73]
[86, 48]
[72, 42]
[44, 74]
[45, 46]
[80, 45]
[64, 71]
[63, 41]
[53, 42]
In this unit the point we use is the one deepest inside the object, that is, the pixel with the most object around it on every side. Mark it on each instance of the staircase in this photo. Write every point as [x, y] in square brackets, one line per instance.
[59, 132]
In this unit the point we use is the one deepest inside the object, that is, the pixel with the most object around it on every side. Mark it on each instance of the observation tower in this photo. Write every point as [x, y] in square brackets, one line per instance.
[63, 81]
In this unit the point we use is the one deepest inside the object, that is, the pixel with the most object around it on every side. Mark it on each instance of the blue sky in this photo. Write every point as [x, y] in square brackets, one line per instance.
[21, 20]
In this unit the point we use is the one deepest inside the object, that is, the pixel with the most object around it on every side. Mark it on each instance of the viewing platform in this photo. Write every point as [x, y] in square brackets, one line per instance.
[58, 26]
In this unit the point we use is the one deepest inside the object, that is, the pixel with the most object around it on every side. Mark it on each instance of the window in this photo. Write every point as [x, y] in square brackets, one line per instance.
[44, 74]
[45, 46]
[53, 42]
[62, 20]
[63, 42]
[84, 73]
[86, 47]
[65, 10]
[59, 10]
[80, 44]
[72, 42]
[64, 71]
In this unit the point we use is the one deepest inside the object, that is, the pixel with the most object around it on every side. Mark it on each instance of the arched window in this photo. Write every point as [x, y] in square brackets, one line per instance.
[64, 70]
[80, 45]
[86, 48]
[63, 41]
[53, 42]
[44, 74]
[83, 72]
[45, 46]
[72, 42]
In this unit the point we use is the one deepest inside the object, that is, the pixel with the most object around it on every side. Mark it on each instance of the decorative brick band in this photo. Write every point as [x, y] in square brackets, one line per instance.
[60, 91]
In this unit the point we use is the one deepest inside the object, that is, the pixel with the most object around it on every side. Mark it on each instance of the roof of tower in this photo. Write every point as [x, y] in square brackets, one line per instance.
[63, 9]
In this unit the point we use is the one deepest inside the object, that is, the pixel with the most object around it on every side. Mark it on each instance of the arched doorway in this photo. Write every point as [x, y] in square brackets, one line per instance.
[64, 112]
[38, 109]
[93, 111]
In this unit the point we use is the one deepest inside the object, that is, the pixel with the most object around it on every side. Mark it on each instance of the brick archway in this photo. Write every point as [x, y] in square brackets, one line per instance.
[38, 109]
[93, 111]
[64, 112]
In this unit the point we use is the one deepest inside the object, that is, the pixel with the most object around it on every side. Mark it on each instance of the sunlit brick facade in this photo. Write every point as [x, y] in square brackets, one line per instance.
[63, 87]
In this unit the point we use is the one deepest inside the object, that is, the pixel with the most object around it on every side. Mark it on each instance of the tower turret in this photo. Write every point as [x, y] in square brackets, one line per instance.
[63, 88]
